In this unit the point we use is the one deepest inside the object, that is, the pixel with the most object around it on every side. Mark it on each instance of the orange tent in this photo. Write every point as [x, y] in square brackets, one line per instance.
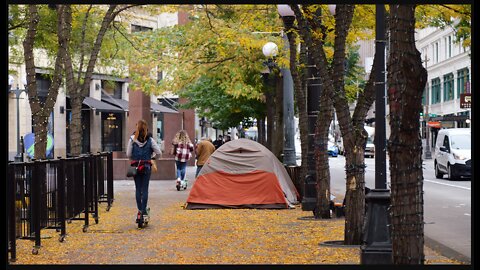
[242, 174]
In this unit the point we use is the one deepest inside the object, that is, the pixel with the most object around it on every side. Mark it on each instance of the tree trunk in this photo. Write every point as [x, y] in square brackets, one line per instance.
[41, 109]
[355, 191]
[261, 130]
[406, 81]
[324, 118]
[354, 158]
[78, 91]
[35, 105]
[354, 140]
[308, 24]
[75, 129]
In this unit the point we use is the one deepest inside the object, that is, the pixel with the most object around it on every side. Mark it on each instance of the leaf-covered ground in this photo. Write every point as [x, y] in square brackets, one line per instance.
[179, 236]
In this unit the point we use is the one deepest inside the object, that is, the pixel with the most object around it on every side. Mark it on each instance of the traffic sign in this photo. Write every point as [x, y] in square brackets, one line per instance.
[465, 100]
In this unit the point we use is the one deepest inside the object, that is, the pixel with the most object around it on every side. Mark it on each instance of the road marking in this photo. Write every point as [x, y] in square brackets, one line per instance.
[466, 214]
[450, 185]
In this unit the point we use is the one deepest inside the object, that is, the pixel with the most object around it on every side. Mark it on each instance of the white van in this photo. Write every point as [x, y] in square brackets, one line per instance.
[453, 150]
[370, 147]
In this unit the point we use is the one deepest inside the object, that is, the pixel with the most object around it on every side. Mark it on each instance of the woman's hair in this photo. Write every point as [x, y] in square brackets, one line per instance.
[181, 137]
[141, 131]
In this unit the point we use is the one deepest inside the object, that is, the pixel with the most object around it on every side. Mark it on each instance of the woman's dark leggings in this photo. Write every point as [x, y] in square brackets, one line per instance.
[141, 189]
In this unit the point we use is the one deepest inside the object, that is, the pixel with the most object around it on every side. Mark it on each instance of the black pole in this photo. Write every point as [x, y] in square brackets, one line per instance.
[61, 198]
[313, 83]
[11, 195]
[110, 179]
[380, 137]
[309, 200]
[376, 245]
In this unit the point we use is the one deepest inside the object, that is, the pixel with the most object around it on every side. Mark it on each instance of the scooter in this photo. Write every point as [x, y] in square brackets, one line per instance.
[182, 184]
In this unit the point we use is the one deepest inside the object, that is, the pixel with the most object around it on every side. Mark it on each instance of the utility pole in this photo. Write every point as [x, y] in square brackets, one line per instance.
[17, 91]
[428, 153]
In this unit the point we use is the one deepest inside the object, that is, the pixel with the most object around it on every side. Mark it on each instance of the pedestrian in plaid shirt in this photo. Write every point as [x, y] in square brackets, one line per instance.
[183, 149]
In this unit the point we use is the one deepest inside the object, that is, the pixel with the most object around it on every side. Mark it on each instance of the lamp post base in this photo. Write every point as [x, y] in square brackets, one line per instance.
[373, 256]
[309, 200]
[377, 244]
[18, 158]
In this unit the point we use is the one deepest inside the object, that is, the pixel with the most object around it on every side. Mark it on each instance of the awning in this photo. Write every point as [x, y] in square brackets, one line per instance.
[157, 108]
[434, 124]
[121, 103]
[101, 106]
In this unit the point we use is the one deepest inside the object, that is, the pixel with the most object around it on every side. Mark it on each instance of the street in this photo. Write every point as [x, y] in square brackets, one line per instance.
[447, 208]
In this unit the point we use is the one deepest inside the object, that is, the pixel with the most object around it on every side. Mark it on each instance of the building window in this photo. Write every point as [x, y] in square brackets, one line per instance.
[111, 131]
[159, 76]
[436, 98]
[462, 79]
[139, 28]
[112, 88]
[448, 87]
[160, 127]
[43, 84]
[436, 52]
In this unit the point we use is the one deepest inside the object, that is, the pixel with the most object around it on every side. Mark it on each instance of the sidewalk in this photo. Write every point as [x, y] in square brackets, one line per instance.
[178, 236]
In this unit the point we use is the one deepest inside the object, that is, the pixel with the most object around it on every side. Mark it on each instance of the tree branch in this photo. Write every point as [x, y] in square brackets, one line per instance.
[469, 14]
[125, 36]
[207, 12]
[82, 42]
[215, 61]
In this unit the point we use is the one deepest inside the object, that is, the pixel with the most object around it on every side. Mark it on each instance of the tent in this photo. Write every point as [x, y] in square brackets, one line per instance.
[242, 174]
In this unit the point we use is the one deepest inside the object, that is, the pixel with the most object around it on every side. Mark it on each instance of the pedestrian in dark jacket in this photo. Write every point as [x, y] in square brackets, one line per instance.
[140, 149]
[218, 142]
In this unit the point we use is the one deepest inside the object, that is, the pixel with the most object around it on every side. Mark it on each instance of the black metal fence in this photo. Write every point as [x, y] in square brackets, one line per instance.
[45, 194]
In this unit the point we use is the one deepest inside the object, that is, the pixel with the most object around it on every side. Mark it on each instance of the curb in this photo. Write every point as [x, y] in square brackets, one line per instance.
[446, 251]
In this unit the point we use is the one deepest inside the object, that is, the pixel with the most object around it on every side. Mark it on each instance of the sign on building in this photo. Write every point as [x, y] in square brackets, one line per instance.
[465, 101]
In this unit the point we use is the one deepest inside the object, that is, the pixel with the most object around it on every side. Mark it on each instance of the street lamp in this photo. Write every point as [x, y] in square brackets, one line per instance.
[270, 50]
[288, 17]
[17, 92]
[376, 245]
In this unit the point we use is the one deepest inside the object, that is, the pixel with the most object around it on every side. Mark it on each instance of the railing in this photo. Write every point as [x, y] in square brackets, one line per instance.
[105, 178]
[45, 194]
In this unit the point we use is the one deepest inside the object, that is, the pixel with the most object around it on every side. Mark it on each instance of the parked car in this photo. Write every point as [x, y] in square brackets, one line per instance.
[332, 149]
[369, 148]
[453, 150]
